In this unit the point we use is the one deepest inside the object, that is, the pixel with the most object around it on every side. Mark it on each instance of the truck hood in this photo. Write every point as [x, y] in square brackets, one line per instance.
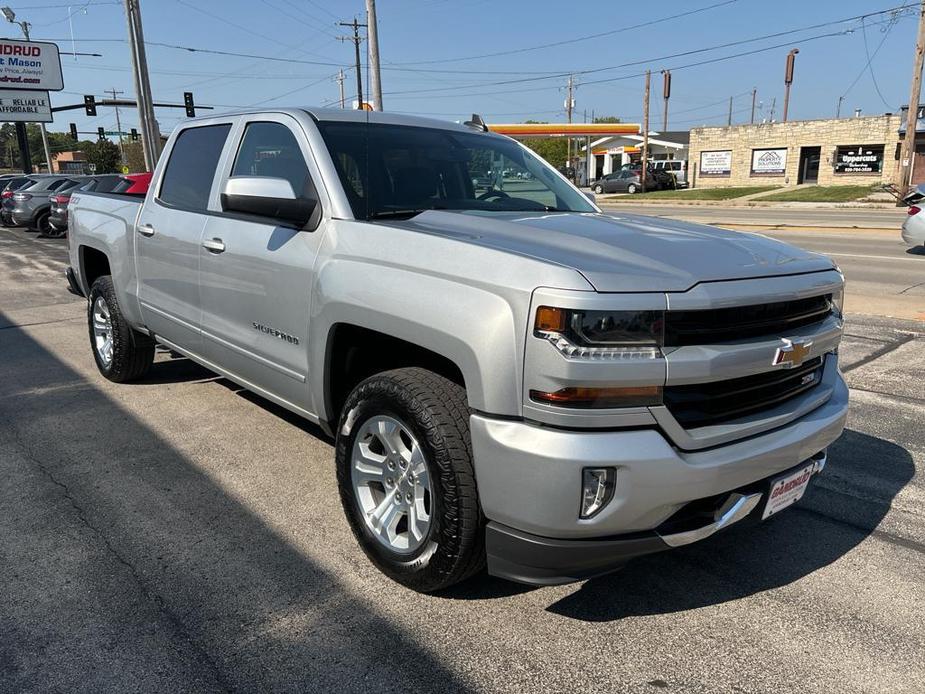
[625, 252]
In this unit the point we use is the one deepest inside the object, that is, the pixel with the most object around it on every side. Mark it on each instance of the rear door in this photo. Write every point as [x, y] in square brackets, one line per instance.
[256, 274]
[168, 233]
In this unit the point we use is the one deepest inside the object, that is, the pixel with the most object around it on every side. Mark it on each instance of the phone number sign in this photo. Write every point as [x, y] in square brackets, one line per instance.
[30, 65]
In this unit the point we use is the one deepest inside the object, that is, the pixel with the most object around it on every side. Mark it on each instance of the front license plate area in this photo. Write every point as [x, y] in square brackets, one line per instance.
[787, 489]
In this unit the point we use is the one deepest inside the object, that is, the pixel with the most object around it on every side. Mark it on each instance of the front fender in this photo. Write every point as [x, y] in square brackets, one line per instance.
[480, 331]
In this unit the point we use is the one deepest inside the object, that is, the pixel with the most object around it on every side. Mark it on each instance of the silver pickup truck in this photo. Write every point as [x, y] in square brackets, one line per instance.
[511, 377]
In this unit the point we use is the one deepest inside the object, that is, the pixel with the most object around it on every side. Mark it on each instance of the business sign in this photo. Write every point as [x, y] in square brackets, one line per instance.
[717, 163]
[859, 159]
[25, 106]
[30, 65]
[769, 161]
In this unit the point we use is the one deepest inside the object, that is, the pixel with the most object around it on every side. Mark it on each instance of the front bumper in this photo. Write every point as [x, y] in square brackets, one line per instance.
[529, 480]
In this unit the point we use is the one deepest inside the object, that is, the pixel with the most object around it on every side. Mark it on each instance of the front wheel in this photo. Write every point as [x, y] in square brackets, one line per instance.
[407, 485]
[121, 353]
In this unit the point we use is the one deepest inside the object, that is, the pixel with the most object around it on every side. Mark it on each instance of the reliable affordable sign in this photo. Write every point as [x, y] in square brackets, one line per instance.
[30, 65]
[717, 163]
[26, 106]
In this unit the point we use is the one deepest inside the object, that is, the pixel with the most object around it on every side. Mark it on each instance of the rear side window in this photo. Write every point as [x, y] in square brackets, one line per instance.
[192, 166]
[271, 150]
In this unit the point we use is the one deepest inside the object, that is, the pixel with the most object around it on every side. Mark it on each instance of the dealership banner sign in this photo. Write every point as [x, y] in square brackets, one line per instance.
[30, 65]
[25, 106]
[769, 161]
[717, 163]
[859, 159]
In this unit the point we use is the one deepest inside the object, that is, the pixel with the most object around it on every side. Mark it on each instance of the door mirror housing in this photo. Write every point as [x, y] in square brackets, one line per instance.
[268, 197]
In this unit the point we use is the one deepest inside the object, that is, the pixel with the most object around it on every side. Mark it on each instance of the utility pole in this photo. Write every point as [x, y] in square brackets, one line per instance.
[754, 98]
[372, 32]
[788, 79]
[773, 106]
[666, 94]
[150, 137]
[340, 81]
[729, 119]
[569, 105]
[115, 95]
[356, 38]
[838, 107]
[644, 170]
[907, 152]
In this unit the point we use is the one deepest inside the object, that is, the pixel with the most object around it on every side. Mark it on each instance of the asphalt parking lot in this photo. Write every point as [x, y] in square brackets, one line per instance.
[180, 534]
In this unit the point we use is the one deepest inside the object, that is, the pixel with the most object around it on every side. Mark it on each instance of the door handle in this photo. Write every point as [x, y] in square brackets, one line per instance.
[145, 229]
[214, 245]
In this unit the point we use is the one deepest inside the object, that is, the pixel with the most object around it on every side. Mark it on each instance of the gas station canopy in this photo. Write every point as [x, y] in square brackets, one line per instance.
[521, 130]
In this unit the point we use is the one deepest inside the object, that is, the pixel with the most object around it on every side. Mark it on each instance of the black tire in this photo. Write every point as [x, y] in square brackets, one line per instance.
[436, 412]
[132, 351]
[42, 224]
[598, 189]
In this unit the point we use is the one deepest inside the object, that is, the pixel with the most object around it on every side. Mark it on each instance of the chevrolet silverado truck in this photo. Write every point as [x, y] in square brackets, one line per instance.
[511, 377]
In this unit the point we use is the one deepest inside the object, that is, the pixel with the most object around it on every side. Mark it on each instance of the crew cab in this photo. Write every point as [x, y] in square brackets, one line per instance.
[511, 376]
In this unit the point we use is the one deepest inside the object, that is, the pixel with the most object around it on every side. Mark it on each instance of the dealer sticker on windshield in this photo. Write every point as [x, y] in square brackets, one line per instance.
[788, 490]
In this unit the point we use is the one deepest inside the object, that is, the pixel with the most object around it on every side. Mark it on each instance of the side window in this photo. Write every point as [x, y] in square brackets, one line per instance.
[271, 150]
[192, 166]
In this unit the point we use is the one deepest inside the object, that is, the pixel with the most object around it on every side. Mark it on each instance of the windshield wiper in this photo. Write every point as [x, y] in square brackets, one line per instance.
[396, 214]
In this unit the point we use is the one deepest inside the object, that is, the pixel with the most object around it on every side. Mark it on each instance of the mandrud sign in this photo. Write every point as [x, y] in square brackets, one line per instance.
[30, 65]
[769, 161]
[26, 106]
[717, 163]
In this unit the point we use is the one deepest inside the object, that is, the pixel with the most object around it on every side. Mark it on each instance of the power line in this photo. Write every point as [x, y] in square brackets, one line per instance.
[575, 40]
[870, 57]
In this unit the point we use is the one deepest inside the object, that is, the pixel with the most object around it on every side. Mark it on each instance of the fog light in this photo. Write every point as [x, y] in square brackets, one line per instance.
[596, 489]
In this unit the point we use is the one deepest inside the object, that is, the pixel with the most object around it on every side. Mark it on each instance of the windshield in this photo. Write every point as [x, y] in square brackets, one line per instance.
[399, 171]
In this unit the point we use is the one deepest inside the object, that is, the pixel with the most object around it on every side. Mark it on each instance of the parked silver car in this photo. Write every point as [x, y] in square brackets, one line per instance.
[913, 229]
[32, 205]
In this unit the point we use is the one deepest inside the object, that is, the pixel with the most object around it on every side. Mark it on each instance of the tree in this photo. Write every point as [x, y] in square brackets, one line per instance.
[552, 149]
[134, 157]
[103, 153]
[607, 119]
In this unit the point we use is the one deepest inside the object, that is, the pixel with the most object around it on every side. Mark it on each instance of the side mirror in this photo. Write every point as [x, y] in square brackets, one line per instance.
[267, 197]
[590, 195]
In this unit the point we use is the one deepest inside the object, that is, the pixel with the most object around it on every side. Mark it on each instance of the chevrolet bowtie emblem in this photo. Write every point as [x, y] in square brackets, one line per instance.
[793, 353]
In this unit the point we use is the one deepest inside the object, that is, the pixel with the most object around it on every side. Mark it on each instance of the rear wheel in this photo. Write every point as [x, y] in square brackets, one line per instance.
[404, 469]
[42, 224]
[598, 189]
[121, 353]
[631, 188]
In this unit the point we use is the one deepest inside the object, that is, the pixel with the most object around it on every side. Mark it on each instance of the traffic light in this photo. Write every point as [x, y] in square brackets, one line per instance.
[134, 135]
[74, 132]
[101, 132]
[190, 106]
[90, 104]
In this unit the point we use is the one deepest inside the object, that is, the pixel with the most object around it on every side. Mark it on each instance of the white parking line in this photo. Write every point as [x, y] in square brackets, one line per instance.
[874, 257]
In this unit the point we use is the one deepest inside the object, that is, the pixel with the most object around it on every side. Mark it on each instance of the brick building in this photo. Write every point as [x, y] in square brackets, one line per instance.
[69, 163]
[845, 151]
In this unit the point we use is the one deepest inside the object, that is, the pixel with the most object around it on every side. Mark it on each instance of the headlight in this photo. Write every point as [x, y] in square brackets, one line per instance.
[838, 302]
[602, 334]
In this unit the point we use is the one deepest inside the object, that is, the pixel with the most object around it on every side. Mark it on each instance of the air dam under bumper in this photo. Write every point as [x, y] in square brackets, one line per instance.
[529, 480]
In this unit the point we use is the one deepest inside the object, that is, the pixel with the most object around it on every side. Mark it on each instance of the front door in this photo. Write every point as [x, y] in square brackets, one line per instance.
[168, 236]
[256, 274]
[809, 164]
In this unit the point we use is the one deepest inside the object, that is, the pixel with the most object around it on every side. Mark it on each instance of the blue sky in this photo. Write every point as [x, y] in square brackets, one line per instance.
[435, 45]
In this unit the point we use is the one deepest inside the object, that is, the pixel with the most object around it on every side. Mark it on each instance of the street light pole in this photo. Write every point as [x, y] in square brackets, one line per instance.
[150, 137]
[372, 33]
[788, 80]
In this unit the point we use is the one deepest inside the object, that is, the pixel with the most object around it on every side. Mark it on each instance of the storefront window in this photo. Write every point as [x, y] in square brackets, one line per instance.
[859, 159]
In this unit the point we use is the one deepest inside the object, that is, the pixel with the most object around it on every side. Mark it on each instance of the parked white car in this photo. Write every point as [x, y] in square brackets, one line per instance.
[914, 227]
